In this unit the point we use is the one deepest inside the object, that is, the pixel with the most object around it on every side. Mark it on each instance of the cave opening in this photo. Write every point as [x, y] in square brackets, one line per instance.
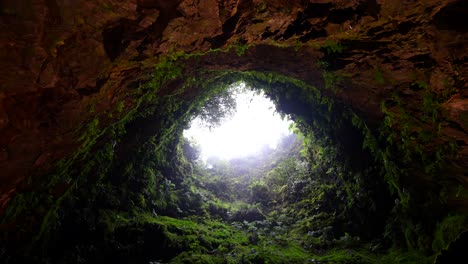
[139, 195]
[318, 191]
[244, 154]
[241, 122]
[95, 97]
[310, 195]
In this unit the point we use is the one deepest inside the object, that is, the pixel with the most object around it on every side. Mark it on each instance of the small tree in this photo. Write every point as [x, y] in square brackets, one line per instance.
[217, 108]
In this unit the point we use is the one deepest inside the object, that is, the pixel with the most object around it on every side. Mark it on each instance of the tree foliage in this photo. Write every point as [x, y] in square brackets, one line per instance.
[191, 149]
[217, 108]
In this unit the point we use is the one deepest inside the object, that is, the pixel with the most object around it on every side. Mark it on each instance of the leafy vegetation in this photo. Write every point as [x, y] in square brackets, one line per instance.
[241, 49]
[339, 193]
[448, 231]
[331, 80]
[217, 108]
[332, 46]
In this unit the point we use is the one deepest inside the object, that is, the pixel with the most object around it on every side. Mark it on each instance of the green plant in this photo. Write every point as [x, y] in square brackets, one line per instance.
[241, 49]
[120, 106]
[448, 230]
[322, 64]
[108, 7]
[261, 7]
[331, 80]
[91, 132]
[318, 190]
[379, 76]
[333, 47]
[297, 45]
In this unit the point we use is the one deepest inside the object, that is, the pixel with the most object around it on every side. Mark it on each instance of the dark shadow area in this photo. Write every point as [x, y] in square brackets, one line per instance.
[455, 252]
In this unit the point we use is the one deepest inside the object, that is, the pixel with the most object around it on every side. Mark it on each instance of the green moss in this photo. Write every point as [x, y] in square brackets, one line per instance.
[91, 132]
[210, 241]
[111, 219]
[292, 252]
[347, 256]
[331, 80]
[145, 179]
[20, 204]
[241, 49]
[332, 46]
[197, 236]
[448, 231]
[398, 256]
[120, 106]
[398, 130]
[189, 258]
[379, 76]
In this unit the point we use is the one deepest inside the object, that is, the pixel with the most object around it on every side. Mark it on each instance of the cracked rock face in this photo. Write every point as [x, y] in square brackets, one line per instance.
[63, 62]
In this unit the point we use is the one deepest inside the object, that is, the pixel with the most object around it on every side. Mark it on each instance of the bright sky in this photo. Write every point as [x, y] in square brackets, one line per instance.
[253, 126]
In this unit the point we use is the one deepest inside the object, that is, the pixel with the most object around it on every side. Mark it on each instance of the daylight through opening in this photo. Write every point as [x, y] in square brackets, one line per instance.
[251, 127]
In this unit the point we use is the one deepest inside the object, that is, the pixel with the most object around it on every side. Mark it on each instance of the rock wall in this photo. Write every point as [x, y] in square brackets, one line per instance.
[64, 62]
